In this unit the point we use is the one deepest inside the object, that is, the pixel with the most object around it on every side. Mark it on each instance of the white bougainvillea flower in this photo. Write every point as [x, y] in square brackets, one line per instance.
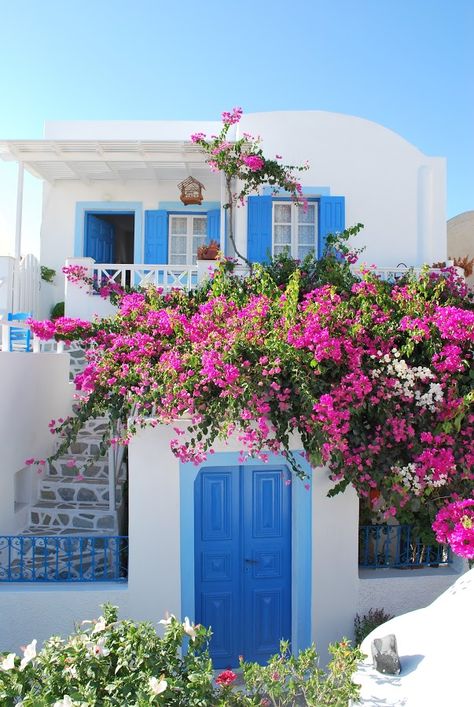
[8, 663]
[189, 629]
[28, 654]
[157, 686]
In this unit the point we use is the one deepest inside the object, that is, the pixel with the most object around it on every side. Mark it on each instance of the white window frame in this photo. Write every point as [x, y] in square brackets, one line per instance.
[189, 235]
[293, 247]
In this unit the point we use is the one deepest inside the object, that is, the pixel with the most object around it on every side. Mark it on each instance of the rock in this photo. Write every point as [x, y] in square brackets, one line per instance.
[435, 649]
[385, 655]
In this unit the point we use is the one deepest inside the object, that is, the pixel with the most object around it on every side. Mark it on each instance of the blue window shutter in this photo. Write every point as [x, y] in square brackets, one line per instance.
[259, 228]
[331, 218]
[156, 237]
[214, 225]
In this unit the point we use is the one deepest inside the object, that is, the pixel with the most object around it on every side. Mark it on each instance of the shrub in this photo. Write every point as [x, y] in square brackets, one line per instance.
[57, 310]
[297, 679]
[114, 663]
[363, 625]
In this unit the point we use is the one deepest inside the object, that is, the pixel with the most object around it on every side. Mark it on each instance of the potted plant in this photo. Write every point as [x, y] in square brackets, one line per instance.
[208, 251]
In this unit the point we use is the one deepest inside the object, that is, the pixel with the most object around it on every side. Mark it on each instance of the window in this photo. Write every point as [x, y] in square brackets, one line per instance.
[186, 234]
[293, 229]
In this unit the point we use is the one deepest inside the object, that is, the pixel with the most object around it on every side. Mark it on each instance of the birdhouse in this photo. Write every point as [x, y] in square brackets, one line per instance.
[191, 191]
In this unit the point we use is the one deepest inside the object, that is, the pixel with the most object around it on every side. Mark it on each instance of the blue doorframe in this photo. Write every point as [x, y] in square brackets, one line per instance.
[300, 537]
[109, 207]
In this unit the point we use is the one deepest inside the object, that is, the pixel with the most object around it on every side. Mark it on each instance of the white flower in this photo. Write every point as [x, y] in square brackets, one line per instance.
[157, 686]
[8, 663]
[65, 702]
[71, 670]
[28, 654]
[99, 625]
[189, 629]
[167, 620]
[98, 649]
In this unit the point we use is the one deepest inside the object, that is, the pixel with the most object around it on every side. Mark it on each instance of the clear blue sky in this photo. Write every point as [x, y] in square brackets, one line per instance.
[407, 64]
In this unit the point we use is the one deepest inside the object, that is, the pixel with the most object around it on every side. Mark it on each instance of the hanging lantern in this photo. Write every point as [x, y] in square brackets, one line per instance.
[191, 191]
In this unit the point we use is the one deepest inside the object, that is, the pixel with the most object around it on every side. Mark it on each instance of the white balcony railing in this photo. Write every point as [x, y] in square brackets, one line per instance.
[168, 277]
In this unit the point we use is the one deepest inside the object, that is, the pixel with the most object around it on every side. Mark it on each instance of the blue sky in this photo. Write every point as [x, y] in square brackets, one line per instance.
[407, 64]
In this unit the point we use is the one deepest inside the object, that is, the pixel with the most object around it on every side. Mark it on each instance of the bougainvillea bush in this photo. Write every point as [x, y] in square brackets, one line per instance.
[374, 377]
[112, 663]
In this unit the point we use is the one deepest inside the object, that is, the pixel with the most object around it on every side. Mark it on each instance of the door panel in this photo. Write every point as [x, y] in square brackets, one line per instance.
[99, 241]
[267, 543]
[243, 561]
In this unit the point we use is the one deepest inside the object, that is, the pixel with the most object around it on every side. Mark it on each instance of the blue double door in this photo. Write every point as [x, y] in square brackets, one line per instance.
[243, 560]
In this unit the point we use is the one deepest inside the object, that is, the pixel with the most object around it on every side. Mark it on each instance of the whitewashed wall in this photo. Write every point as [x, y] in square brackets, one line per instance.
[391, 187]
[34, 389]
[42, 611]
[400, 591]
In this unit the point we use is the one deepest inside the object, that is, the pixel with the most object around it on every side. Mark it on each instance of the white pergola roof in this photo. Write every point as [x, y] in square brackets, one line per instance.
[116, 160]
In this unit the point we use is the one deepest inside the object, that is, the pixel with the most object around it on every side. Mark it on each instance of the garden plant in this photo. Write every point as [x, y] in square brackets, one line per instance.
[114, 663]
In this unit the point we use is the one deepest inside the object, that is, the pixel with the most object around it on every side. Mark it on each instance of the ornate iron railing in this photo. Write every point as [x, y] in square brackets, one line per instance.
[398, 546]
[63, 558]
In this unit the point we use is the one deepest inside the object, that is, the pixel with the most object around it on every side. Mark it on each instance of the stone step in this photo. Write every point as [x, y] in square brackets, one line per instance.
[87, 491]
[98, 469]
[73, 516]
[84, 446]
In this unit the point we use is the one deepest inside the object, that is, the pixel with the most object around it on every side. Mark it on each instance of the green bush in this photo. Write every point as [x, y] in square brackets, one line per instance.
[57, 310]
[111, 663]
[363, 625]
[47, 274]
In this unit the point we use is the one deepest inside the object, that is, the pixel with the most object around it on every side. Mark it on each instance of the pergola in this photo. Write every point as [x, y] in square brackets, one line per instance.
[101, 160]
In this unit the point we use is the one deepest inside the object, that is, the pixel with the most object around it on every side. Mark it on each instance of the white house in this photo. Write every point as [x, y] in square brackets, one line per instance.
[227, 544]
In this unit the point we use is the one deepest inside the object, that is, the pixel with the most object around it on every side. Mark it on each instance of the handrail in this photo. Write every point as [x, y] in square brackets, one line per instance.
[63, 558]
[36, 346]
[398, 546]
[144, 275]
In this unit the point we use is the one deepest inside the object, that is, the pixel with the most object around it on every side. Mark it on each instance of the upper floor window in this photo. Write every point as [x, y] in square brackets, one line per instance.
[294, 230]
[186, 234]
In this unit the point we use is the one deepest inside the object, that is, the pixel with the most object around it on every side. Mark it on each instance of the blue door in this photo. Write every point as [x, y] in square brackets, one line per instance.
[99, 241]
[243, 560]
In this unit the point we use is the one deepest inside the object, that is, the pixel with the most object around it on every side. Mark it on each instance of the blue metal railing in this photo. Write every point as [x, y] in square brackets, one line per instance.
[398, 546]
[63, 558]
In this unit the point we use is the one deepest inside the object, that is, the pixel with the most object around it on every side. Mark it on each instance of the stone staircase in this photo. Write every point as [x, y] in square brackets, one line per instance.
[67, 504]
[53, 545]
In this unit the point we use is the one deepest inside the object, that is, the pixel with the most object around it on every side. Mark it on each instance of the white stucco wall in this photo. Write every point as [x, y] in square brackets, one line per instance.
[35, 388]
[396, 191]
[40, 611]
[400, 591]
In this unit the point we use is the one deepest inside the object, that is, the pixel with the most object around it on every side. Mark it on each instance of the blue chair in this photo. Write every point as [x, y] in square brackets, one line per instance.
[19, 338]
